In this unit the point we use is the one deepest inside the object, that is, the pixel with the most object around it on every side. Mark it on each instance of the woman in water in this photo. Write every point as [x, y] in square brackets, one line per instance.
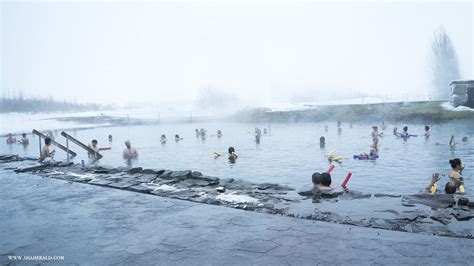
[456, 173]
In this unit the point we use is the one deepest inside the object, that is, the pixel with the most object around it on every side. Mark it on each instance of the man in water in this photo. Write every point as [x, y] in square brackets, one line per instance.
[110, 138]
[11, 139]
[219, 133]
[427, 132]
[45, 152]
[129, 152]
[163, 139]
[177, 138]
[322, 142]
[94, 147]
[24, 140]
[197, 133]
[375, 134]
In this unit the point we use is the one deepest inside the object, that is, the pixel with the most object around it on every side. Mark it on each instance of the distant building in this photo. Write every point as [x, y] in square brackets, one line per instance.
[462, 93]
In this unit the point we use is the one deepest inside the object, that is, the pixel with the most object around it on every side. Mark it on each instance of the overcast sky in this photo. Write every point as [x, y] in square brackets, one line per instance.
[164, 52]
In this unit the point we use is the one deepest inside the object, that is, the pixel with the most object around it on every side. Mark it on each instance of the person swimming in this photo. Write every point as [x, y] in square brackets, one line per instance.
[322, 142]
[110, 138]
[322, 181]
[24, 140]
[129, 152]
[405, 132]
[197, 133]
[163, 139]
[11, 139]
[219, 133]
[232, 154]
[177, 138]
[455, 175]
[427, 132]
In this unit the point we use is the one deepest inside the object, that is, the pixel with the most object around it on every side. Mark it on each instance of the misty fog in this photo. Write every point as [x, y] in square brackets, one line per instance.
[226, 56]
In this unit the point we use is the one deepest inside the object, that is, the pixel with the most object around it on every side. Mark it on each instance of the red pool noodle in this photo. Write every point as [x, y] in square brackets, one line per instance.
[346, 180]
[330, 169]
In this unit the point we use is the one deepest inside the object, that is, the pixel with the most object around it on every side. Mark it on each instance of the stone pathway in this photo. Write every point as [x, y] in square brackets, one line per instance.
[95, 225]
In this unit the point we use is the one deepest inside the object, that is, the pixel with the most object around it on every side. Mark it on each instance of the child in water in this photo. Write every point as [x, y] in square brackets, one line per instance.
[322, 142]
[177, 138]
[456, 174]
[163, 139]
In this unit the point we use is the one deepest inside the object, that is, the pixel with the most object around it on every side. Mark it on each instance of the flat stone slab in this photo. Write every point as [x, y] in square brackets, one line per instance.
[99, 226]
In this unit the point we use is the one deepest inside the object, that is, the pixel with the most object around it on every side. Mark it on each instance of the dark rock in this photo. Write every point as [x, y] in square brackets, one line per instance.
[379, 195]
[227, 181]
[148, 172]
[180, 174]
[141, 188]
[159, 172]
[194, 183]
[113, 179]
[123, 184]
[32, 168]
[101, 182]
[463, 201]
[442, 219]
[165, 174]
[196, 174]
[266, 186]
[350, 195]
[135, 170]
[437, 201]
[147, 178]
[220, 189]
[462, 215]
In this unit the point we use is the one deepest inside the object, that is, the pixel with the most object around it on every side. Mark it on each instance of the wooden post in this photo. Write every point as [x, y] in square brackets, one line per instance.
[67, 148]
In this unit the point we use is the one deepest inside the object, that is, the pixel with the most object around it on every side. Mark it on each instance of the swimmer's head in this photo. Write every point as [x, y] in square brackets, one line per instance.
[9, 135]
[47, 140]
[455, 163]
[23, 135]
[427, 128]
[176, 136]
[231, 150]
[375, 127]
[316, 178]
[94, 142]
[163, 136]
[322, 139]
[450, 188]
[110, 137]
[127, 143]
[464, 139]
[405, 128]
[326, 179]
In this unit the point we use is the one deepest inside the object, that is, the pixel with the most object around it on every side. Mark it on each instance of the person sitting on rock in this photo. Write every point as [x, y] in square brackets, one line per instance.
[456, 174]
[11, 139]
[45, 152]
[163, 139]
[129, 152]
[24, 140]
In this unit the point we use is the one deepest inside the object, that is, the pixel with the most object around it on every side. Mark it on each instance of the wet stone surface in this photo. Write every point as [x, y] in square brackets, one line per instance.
[98, 226]
[266, 197]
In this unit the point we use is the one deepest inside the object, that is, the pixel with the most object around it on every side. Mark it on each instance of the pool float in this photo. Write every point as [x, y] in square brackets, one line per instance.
[330, 169]
[366, 157]
[343, 185]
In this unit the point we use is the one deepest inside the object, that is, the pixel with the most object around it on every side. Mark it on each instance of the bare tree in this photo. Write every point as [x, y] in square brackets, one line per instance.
[444, 64]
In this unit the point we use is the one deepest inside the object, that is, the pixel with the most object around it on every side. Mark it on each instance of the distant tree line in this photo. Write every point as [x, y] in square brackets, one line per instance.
[23, 104]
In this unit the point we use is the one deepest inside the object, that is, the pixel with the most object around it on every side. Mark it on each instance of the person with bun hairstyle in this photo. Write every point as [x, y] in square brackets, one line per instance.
[456, 173]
